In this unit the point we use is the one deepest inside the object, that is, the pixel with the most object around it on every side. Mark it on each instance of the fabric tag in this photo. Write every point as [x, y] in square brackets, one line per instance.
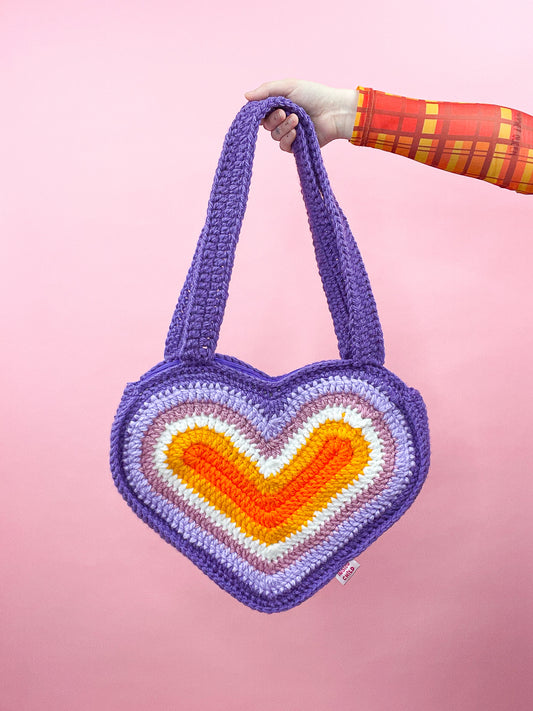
[347, 571]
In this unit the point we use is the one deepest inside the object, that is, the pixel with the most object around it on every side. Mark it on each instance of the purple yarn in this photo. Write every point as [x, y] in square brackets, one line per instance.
[193, 381]
[194, 330]
[154, 493]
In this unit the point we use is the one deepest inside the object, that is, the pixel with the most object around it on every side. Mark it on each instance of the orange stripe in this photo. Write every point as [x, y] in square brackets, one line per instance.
[268, 510]
[334, 456]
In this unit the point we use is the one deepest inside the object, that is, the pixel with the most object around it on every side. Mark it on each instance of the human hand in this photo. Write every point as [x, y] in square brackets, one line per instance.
[331, 110]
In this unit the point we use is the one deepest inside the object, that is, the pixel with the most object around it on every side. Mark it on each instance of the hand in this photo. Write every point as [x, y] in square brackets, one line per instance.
[331, 110]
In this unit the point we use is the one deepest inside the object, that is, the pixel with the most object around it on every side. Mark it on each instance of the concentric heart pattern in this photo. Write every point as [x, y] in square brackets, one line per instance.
[270, 485]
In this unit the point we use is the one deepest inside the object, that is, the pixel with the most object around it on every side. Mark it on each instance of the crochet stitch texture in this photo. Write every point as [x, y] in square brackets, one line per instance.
[270, 484]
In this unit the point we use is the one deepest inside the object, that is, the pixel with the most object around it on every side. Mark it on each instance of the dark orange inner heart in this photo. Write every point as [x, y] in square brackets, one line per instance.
[269, 507]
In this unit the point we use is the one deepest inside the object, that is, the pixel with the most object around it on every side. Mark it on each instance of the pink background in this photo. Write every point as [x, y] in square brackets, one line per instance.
[113, 118]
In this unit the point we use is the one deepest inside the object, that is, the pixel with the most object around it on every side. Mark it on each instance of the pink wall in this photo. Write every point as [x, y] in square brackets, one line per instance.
[113, 118]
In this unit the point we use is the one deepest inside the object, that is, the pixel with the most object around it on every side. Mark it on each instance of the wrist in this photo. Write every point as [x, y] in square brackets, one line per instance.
[347, 112]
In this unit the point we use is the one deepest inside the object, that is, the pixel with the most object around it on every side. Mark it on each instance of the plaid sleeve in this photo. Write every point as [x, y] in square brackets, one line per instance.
[484, 141]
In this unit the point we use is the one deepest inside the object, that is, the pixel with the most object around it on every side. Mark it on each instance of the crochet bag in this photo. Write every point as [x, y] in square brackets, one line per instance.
[270, 484]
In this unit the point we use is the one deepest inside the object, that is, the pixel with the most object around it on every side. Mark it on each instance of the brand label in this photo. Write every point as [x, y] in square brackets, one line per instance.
[347, 571]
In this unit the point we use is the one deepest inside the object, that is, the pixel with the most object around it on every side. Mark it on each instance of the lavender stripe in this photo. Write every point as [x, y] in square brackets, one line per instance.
[159, 485]
[176, 519]
[227, 414]
[297, 551]
[253, 411]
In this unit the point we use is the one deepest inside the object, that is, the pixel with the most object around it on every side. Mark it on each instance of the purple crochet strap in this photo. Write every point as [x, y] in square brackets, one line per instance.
[196, 323]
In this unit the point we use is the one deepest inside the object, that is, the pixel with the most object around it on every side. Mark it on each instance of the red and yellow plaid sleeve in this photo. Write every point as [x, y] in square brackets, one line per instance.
[484, 141]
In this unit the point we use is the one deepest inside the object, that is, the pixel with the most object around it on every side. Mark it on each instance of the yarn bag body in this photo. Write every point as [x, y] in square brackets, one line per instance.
[269, 485]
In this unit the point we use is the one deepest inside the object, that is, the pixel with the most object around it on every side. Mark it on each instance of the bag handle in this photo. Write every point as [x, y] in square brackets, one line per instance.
[195, 326]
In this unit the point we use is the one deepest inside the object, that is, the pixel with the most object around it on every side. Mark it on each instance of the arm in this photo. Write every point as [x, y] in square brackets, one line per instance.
[483, 141]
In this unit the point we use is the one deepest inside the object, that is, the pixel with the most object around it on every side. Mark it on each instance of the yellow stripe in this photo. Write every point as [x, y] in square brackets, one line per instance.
[525, 180]
[456, 154]
[506, 113]
[497, 162]
[429, 126]
[432, 108]
[422, 153]
[505, 130]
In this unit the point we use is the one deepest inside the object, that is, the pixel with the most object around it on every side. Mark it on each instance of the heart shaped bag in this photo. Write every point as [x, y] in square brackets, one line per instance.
[270, 484]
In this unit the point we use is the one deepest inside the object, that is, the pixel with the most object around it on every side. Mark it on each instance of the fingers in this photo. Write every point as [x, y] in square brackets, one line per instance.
[285, 132]
[286, 142]
[274, 119]
[281, 127]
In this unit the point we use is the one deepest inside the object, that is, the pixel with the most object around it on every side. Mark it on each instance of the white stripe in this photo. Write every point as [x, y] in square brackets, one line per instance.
[271, 466]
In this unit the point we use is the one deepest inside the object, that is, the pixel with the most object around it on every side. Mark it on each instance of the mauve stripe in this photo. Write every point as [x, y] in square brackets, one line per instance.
[151, 436]
[315, 557]
[292, 402]
[342, 386]
[226, 538]
[292, 556]
[227, 414]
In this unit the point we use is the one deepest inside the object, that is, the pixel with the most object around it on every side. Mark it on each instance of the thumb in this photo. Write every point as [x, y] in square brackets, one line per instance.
[269, 88]
[254, 94]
